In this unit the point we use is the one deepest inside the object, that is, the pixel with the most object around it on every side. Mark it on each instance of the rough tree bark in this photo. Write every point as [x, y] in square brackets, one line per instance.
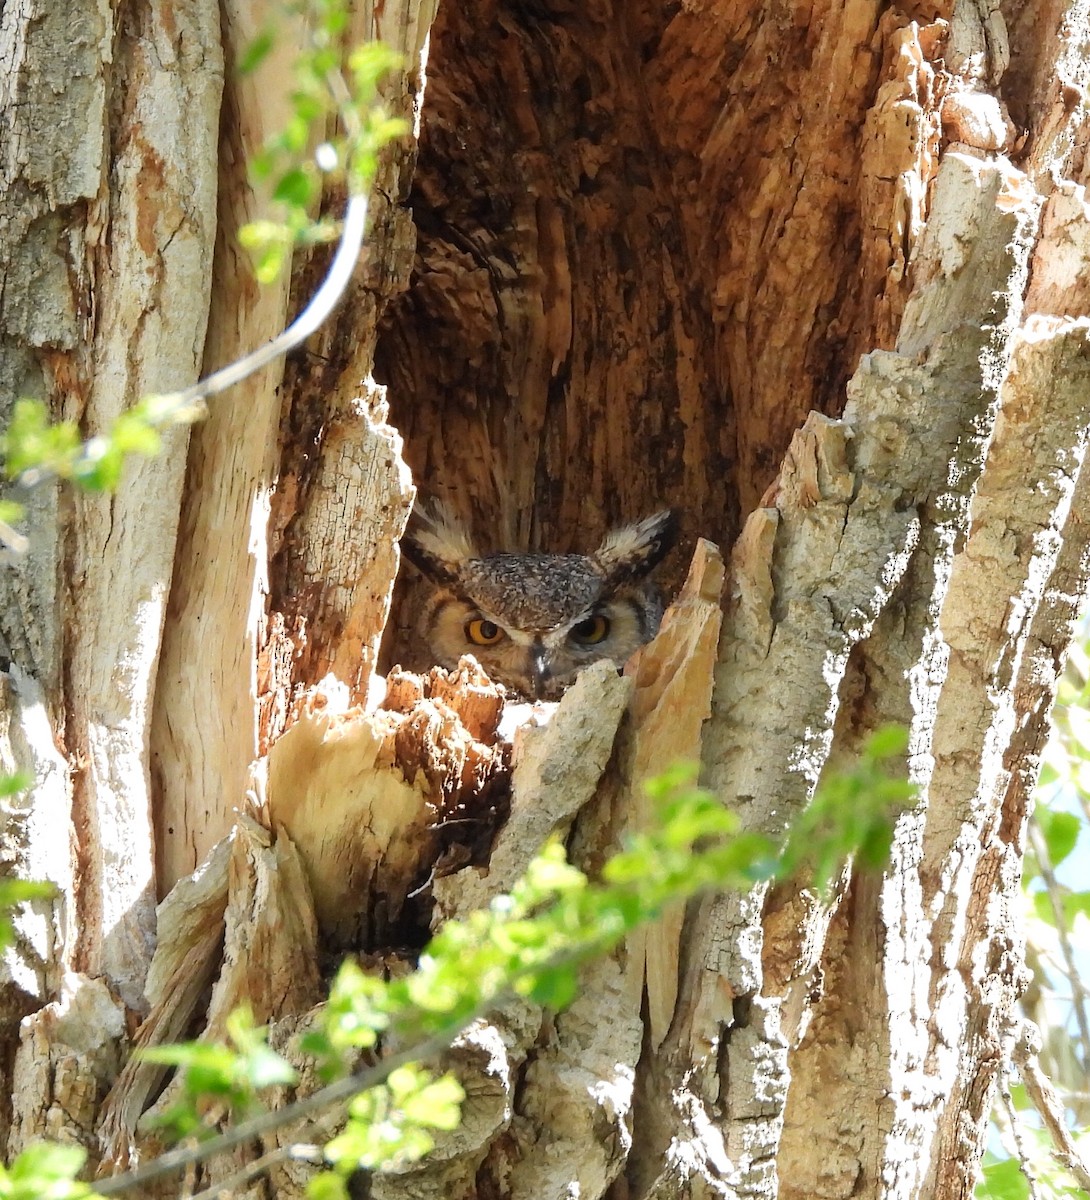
[818, 274]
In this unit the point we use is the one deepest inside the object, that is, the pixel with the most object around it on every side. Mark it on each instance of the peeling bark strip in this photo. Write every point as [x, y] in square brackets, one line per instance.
[44, 180]
[157, 204]
[971, 892]
[858, 502]
[204, 732]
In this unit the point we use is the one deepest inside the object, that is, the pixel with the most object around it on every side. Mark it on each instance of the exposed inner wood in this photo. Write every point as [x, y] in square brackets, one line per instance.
[647, 255]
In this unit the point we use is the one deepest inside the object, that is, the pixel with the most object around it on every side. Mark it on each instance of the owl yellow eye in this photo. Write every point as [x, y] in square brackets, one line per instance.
[483, 633]
[591, 631]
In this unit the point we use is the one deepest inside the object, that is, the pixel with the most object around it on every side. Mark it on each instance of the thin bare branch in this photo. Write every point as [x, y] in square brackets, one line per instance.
[1048, 1103]
[1017, 1135]
[309, 320]
[1078, 991]
[227, 1187]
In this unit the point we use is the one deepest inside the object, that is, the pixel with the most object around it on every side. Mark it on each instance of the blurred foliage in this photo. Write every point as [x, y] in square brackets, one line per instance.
[45, 1171]
[530, 942]
[218, 1076]
[370, 1040]
[1022, 1160]
[336, 110]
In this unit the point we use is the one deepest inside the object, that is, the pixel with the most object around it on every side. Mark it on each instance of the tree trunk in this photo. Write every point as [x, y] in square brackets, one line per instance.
[816, 274]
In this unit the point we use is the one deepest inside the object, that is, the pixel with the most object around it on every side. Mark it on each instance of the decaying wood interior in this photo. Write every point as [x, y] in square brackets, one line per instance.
[818, 275]
[618, 297]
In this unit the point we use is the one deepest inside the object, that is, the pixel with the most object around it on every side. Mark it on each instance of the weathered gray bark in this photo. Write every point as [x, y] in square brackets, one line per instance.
[659, 256]
[107, 228]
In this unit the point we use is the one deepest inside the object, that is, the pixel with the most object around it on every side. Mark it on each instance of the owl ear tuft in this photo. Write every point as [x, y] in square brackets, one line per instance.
[437, 543]
[633, 551]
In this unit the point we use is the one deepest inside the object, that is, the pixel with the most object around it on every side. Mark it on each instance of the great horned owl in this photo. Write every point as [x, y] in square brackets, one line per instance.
[534, 620]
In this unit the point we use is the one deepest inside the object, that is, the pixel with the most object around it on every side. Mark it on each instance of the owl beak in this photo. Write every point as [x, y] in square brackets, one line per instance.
[539, 671]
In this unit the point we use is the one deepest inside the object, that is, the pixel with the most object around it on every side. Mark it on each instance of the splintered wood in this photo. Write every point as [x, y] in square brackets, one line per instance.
[671, 702]
[364, 812]
[569, 1077]
[378, 803]
[361, 810]
[556, 771]
[357, 508]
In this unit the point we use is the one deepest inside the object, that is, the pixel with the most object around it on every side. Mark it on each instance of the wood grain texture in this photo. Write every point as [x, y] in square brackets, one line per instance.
[204, 732]
[704, 246]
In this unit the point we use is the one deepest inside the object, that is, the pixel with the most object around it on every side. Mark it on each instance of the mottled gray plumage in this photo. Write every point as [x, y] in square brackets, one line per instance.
[534, 591]
[533, 621]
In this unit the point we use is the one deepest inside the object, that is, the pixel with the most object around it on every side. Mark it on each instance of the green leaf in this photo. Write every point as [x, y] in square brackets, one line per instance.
[261, 166]
[853, 812]
[296, 187]
[30, 441]
[673, 780]
[324, 60]
[47, 1161]
[12, 785]
[132, 433]
[1003, 1181]
[296, 135]
[308, 106]
[369, 62]
[555, 988]
[98, 469]
[266, 1068]
[1060, 831]
[436, 1104]
[15, 891]
[1042, 908]
[1072, 905]
[389, 129]
[1049, 774]
[334, 18]
[10, 512]
[210, 1060]
[1076, 903]
[257, 51]
[327, 1185]
[875, 846]
[45, 1171]
[888, 741]
[269, 263]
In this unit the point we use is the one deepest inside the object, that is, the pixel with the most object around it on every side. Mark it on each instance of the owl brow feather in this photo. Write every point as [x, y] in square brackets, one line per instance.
[437, 543]
[632, 551]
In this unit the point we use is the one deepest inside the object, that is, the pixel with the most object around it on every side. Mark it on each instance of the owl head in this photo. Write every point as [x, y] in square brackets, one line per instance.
[533, 621]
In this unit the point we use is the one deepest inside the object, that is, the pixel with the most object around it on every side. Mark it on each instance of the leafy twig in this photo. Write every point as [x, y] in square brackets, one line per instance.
[184, 407]
[245, 1131]
[519, 947]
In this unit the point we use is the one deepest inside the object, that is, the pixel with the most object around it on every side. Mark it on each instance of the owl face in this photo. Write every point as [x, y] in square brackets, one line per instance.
[533, 621]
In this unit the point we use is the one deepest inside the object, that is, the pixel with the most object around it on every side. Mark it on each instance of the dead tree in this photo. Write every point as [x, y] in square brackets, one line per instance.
[819, 275]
